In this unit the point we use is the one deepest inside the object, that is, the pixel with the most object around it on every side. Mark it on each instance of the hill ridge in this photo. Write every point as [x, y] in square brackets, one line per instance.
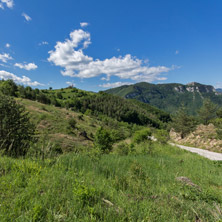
[170, 96]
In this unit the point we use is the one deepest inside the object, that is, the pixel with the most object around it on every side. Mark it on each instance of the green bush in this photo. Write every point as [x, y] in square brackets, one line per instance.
[16, 131]
[86, 195]
[142, 135]
[103, 140]
[123, 149]
[162, 136]
[72, 123]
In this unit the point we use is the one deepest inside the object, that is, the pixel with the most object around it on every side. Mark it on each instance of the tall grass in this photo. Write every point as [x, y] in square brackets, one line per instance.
[135, 187]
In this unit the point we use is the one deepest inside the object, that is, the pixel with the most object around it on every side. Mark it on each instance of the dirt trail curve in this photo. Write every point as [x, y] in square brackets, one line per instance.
[205, 153]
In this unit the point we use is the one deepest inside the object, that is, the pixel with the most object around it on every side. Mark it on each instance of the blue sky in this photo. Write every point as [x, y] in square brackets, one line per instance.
[100, 44]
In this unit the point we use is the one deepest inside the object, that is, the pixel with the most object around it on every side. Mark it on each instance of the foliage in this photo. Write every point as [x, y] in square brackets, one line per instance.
[16, 131]
[182, 122]
[142, 135]
[207, 112]
[169, 97]
[89, 103]
[123, 149]
[162, 136]
[103, 140]
[114, 188]
[8, 87]
[72, 123]
[86, 195]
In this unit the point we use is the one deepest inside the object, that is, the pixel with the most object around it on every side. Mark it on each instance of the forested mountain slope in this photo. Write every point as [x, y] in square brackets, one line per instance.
[170, 97]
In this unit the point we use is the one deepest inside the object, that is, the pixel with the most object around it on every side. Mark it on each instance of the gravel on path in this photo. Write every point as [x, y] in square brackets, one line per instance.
[205, 153]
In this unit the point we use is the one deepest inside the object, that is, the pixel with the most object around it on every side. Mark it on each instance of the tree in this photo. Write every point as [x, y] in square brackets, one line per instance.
[16, 131]
[183, 123]
[103, 140]
[8, 87]
[208, 111]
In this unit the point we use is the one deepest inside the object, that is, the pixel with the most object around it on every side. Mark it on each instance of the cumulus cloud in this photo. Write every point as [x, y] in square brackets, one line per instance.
[84, 24]
[20, 80]
[7, 45]
[5, 57]
[8, 3]
[43, 43]
[27, 17]
[114, 84]
[29, 66]
[70, 56]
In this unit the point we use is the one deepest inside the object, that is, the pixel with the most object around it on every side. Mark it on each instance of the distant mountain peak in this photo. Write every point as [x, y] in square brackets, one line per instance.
[170, 96]
[193, 83]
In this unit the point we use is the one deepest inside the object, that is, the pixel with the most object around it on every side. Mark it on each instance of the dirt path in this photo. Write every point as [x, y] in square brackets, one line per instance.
[205, 153]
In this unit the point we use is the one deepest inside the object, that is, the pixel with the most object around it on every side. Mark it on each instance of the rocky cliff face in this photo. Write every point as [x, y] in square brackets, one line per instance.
[195, 87]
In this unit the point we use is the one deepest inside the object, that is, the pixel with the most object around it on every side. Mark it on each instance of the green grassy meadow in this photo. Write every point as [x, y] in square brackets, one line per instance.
[141, 186]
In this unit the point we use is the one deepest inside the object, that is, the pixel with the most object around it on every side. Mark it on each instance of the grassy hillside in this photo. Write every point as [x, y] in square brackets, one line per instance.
[68, 174]
[169, 97]
[137, 187]
[55, 132]
[89, 103]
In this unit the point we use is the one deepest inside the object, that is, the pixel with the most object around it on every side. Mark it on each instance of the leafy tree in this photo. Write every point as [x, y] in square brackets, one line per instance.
[103, 140]
[207, 112]
[16, 131]
[182, 122]
[8, 87]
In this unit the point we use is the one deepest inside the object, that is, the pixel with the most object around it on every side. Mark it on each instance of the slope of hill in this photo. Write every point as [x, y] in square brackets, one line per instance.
[95, 104]
[60, 130]
[169, 97]
[168, 185]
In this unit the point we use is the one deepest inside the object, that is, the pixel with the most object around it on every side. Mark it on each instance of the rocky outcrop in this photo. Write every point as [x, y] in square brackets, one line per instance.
[203, 137]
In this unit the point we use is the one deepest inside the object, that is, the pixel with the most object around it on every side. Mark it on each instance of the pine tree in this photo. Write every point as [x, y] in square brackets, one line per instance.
[182, 122]
[208, 111]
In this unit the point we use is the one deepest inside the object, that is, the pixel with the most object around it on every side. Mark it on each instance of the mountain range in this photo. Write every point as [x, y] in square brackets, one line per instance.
[169, 97]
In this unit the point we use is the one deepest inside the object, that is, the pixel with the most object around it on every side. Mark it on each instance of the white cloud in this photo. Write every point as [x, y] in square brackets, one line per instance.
[3, 65]
[43, 43]
[5, 57]
[7, 45]
[177, 52]
[21, 80]
[114, 84]
[70, 83]
[8, 3]
[70, 56]
[84, 24]
[29, 66]
[27, 18]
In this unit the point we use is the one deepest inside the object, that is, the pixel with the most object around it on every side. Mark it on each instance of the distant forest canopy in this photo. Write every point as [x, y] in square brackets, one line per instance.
[170, 97]
[130, 111]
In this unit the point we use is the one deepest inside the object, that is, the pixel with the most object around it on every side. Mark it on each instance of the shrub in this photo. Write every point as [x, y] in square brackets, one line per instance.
[72, 123]
[103, 140]
[162, 136]
[16, 131]
[142, 135]
[123, 149]
[86, 195]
